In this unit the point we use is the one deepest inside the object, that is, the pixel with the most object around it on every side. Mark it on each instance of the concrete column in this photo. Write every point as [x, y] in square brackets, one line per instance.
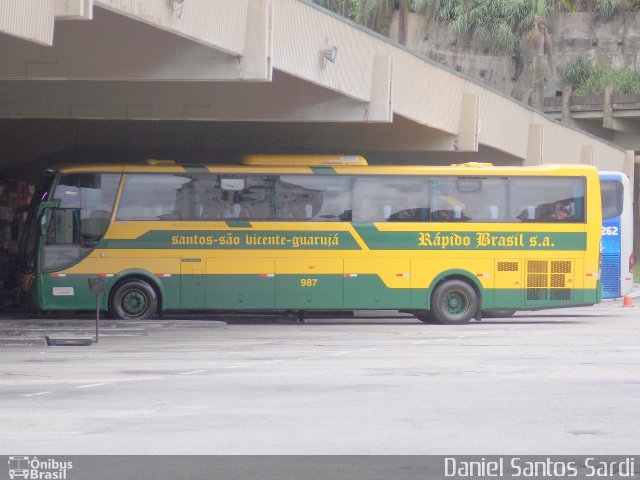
[566, 106]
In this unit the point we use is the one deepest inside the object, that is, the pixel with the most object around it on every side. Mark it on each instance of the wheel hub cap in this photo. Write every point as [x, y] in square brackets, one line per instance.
[134, 302]
[456, 303]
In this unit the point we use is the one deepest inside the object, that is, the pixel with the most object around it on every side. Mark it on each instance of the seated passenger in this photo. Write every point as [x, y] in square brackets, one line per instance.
[406, 215]
[562, 210]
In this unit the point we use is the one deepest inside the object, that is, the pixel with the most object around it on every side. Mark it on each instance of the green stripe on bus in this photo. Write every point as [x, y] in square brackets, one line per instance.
[250, 240]
[527, 299]
[238, 224]
[447, 240]
[74, 292]
[293, 291]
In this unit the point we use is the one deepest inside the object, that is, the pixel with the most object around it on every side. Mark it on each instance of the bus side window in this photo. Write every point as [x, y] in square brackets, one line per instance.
[399, 199]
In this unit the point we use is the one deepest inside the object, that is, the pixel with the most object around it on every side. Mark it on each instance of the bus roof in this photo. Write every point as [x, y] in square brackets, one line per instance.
[303, 160]
[300, 166]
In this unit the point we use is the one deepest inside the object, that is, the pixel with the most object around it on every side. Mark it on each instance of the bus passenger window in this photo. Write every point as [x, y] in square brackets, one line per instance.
[315, 198]
[470, 199]
[548, 199]
[391, 198]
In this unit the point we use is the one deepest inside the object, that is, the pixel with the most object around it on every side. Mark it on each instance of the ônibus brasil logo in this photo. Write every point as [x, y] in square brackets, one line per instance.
[33, 468]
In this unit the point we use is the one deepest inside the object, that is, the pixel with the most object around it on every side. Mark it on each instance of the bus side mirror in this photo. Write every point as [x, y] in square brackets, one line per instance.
[96, 285]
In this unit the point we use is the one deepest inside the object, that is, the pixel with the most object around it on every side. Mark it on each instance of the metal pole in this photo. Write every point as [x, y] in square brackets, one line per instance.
[97, 315]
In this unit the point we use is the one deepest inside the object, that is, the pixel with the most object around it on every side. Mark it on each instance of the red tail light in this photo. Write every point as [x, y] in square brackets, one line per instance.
[632, 261]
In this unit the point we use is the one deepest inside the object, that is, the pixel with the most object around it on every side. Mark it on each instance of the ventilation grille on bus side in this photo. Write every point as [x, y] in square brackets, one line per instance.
[547, 280]
[610, 274]
[507, 266]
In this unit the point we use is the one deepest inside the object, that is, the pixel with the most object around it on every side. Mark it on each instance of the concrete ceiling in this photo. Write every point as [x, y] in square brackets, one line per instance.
[211, 81]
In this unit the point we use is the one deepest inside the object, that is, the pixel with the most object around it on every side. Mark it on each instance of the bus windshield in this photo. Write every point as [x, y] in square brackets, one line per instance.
[74, 228]
[612, 198]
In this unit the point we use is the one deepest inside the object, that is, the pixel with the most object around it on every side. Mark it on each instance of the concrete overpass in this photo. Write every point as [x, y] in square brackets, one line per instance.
[208, 80]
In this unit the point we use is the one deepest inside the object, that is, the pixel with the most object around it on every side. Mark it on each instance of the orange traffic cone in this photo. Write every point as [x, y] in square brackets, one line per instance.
[627, 301]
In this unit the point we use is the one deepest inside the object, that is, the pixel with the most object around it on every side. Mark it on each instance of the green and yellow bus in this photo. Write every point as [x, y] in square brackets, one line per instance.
[304, 233]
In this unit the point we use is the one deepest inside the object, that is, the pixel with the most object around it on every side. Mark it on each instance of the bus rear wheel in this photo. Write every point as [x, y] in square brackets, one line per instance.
[454, 302]
[133, 300]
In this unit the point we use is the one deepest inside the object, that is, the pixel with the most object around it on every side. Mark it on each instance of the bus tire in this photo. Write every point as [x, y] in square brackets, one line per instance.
[454, 302]
[133, 300]
[498, 313]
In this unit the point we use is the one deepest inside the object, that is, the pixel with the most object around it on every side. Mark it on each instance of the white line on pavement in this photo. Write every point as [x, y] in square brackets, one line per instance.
[37, 394]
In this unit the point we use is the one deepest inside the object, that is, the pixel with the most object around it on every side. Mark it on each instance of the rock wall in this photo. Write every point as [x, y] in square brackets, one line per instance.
[536, 72]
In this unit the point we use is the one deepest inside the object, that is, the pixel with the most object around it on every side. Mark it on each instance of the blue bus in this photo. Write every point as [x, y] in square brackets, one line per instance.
[617, 235]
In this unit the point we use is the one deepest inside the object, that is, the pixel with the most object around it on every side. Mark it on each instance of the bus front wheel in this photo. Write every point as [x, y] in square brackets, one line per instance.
[454, 302]
[133, 300]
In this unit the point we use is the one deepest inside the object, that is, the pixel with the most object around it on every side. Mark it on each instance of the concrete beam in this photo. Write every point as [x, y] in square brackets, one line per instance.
[257, 58]
[125, 49]
[586, 155]
[608, 116]
[534, 145]
[74, 9]
[468, 130]
[30, 20]
[285, 99]
[380, 107]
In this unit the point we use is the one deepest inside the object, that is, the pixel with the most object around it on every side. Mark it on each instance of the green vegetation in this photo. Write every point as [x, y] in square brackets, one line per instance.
[587, 79]
[607, 9]
[373, 14]
[499, 25]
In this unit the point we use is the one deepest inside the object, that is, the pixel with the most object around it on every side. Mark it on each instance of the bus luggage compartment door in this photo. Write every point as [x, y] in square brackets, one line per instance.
[309, 283]
[240, 283]
[372, 283]
[508, 284]
[192, 283]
